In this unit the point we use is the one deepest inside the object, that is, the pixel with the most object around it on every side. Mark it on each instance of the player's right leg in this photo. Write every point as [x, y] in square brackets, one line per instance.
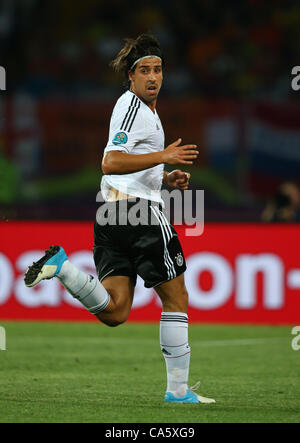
[47, 267]
[110, 302]
[121, 290]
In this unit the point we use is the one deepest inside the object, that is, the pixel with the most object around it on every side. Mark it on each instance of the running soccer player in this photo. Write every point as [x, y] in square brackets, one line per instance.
[133, 167]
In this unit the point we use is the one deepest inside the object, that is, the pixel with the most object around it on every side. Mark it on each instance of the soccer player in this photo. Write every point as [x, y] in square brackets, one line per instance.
[133, 167]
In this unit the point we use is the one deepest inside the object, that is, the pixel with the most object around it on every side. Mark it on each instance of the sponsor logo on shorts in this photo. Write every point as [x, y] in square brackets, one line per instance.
[120, 138]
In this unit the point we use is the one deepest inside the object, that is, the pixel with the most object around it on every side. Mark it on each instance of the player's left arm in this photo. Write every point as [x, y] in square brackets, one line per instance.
[177, 179]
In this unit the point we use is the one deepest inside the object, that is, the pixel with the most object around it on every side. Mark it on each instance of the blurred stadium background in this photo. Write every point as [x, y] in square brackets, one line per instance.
[227, 87]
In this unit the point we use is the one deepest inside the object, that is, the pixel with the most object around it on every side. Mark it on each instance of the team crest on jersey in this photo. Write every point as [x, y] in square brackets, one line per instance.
[179, 259]
[120, 138]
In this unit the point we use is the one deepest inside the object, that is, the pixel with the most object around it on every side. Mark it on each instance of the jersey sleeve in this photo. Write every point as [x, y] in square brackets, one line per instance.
[127, 128]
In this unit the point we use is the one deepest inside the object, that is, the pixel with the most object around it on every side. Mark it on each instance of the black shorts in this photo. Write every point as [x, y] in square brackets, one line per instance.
[150, 250]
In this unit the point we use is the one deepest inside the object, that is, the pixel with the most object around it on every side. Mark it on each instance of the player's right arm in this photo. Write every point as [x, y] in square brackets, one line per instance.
[117, 162]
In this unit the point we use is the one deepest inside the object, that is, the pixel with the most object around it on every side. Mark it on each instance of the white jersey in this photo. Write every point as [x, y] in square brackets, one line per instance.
[135, 129]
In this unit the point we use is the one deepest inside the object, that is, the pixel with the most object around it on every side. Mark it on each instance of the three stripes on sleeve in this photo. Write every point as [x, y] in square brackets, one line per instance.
[131, 114]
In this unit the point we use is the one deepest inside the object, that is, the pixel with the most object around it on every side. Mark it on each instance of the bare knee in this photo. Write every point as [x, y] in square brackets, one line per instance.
[113, 323]
[173, 295]
[121, 290]
[112, 320]
[182, 301]
[175, 302]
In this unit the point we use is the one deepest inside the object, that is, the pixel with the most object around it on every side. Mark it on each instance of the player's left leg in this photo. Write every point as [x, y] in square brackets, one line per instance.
[174, 334]
[174, 341]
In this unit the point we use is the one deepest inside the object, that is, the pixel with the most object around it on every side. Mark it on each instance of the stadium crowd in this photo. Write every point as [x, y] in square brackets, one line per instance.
[233, 49]
[224, 57]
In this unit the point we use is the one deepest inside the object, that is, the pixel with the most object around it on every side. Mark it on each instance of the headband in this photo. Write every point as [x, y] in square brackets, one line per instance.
[142, 58]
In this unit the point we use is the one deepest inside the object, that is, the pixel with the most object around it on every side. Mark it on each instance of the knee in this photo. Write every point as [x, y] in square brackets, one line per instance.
[184, 299]
[185, 295]
[114, 320]
[177, 302]
[114, 323]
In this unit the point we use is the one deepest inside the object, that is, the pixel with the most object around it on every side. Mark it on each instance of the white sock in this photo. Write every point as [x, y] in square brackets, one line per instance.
[176, 350]
[87, 289]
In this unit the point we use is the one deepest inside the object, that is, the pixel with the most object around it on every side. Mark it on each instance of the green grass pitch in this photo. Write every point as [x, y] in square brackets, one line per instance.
[79, 372]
